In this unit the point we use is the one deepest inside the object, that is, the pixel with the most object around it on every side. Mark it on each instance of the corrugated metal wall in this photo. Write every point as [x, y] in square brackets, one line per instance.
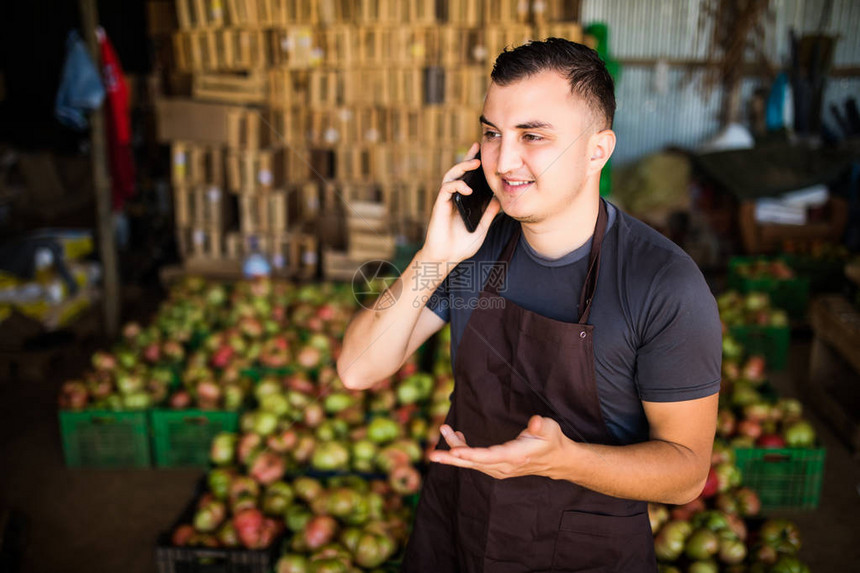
[662, 107]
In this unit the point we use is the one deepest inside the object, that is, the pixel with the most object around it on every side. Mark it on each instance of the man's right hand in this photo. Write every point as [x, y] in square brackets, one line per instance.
[447, 239]
[377, 342]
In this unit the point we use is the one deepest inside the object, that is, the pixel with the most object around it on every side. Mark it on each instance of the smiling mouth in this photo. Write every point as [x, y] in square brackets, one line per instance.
[516, 185]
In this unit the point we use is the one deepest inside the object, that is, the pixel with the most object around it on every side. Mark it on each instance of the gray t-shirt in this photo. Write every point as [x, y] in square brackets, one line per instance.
[657, 334]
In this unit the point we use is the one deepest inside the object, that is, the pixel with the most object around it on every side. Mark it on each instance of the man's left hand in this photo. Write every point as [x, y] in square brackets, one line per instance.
[536, 451]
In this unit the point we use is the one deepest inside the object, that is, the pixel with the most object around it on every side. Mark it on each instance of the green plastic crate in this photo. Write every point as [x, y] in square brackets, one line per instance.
[770, 341]
[257, 373]
[103, 439]
[182, 438]
[784, 478]
[791, 295]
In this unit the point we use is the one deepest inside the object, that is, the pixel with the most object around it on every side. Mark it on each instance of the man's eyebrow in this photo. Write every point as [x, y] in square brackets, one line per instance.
[534, 124]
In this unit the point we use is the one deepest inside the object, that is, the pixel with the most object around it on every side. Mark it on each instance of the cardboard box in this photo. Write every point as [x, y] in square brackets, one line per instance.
[197, 122]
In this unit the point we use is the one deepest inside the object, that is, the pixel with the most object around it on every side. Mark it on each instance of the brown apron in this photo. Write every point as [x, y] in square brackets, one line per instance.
[511, 364]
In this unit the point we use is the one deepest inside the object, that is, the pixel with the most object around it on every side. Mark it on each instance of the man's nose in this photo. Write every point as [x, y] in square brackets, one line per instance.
[509, 157]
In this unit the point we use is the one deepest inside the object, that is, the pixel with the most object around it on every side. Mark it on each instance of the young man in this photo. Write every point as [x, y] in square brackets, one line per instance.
[586, 365]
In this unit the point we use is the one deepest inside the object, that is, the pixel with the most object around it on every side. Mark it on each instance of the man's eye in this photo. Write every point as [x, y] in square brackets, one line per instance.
[490, 134]
[532, 137]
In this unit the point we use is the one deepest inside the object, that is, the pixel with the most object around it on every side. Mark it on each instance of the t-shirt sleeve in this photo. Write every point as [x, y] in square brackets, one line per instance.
[438, 301]
[681, 343]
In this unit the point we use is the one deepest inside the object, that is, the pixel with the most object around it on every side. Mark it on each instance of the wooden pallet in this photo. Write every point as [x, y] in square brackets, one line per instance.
[196, 164]
[196, 50]
[200, 14]
[455, 45]
[304, 249]
[339, 45]
[382, 46]
[327, 88]
[251, 171]
[295, 47]
[422, 12]
[181, 51]
[200, 242]
[251, 13]
[355, 163]
[240, 49]
[466, 86]
[410, 201]
[286, 126]
[569, 30]
[244, 130]
[240, 245]
[381, 12]
[506, 12]
[264, 212]
[327, 128]
[555, 11]
[288, 88]
[414, 46]
[370, 246]
[305, 202]
[266, 169]
[230, 268]
[372, 87]
[290, 12]
[464, 12]
[451, 126]
[253, 213]
[339, 266]
[374, 45]
[240, 88]
[405, 125]
[495, 38]
[291, 255]
[203, 206]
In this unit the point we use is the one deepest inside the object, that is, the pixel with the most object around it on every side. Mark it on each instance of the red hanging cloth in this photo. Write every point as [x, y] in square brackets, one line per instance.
[117, 125]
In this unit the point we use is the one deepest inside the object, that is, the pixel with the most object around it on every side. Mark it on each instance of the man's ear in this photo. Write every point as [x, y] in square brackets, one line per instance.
[602, 145]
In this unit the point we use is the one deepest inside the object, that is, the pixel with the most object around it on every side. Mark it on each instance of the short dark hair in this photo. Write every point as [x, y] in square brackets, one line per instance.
[583, 68]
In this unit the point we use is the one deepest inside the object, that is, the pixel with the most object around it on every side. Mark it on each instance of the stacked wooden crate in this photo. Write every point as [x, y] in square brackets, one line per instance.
[241, 185]
[366, 104]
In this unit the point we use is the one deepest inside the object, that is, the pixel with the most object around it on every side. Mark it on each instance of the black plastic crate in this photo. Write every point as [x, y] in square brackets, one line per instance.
[170, 559]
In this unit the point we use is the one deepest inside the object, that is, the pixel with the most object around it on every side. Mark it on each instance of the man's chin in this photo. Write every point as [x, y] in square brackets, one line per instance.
[520, 216]
[526, 219]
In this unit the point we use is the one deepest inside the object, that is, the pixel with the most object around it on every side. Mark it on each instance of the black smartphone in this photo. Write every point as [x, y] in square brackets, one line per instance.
[472, 206]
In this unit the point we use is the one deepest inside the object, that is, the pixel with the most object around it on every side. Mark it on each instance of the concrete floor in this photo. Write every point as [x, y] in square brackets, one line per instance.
[107, 521]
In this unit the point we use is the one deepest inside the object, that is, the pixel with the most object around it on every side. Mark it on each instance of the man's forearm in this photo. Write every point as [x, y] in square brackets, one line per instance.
[651, 471]
[376, 342]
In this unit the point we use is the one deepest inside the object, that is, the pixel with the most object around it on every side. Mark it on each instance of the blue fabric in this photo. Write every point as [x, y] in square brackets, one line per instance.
[775, 109]
[81, 90]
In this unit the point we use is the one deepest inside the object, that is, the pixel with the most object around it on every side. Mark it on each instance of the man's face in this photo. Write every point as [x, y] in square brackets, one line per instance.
[535, 146]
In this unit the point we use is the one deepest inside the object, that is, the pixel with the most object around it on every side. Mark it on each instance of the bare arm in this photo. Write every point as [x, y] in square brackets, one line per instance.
[379, 340]
[671, 467]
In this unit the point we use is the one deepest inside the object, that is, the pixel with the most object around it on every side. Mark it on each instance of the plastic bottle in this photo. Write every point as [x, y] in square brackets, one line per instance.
[255, 264]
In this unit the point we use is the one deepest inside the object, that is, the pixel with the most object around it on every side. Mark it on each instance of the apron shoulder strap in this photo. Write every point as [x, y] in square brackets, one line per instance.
[499, 272]
[590, 284]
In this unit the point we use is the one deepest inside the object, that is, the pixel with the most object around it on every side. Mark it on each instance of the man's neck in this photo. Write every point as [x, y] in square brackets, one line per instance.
[565, 232]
